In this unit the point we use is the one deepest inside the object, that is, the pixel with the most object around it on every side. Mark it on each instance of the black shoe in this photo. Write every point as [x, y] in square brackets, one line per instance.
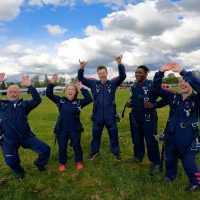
[117, 157]
[92, 155]
[40, 168]
[192, 188]
[134, 160]
[20, 176]
[155, 170]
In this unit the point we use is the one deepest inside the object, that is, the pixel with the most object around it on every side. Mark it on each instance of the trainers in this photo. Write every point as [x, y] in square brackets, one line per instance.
[155, 170]
[134, 160]
[62, 168]
[192, 188]
[117, 157]
[79, 165]
[20, 176]
[92, 155]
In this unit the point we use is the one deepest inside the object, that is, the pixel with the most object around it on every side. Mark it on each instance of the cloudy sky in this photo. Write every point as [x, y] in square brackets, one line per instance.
[50, 36]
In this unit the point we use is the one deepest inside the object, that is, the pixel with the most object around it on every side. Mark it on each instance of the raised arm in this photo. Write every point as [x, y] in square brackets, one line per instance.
[36, 99]
[2, 76]
[49, 91]
[121, 69]
[87, 82]
[188, 77]
[87, 97]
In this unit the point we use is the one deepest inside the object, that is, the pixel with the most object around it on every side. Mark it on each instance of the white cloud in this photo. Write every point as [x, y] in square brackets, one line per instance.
[56, 30]
[52, 2]
[10, 9]
[148, 33]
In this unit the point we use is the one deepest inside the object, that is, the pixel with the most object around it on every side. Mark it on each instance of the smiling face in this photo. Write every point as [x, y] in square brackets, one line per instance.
[103, 74]
[13, 93]
[71, 91]
[185, 87]
[140, 75]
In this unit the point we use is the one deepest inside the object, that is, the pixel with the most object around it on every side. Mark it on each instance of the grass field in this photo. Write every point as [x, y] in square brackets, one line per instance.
[102, 178]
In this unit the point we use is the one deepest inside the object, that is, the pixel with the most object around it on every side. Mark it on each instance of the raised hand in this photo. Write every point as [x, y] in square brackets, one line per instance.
[2, 75]
[54, 78]
[118, 59]
[176, 68]
[79, 85]
[25, 81]
[82, 64]
[166, 67]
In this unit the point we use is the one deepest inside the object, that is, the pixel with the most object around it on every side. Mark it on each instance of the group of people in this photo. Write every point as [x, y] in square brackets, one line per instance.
[181, 136]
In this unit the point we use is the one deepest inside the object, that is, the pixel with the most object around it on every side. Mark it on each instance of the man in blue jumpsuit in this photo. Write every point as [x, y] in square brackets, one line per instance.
[15, 130]
[104, 106]
[181, 133]
[143, 119]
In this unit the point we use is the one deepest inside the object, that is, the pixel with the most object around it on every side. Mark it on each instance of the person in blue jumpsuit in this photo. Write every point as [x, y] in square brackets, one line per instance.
[181, 133]
[144, 120]
[15, 130]
[68, 125]
[104, 106]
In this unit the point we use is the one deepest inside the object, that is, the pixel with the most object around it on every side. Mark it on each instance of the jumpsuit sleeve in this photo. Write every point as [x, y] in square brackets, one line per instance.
[122, 75]
[85, 81]
[191, 79]
[165, 94]
[49, 93]
[87, 98]
[36, 99]
[161, 103]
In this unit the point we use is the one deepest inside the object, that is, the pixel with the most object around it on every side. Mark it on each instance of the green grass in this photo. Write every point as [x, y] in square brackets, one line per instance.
[102, 178]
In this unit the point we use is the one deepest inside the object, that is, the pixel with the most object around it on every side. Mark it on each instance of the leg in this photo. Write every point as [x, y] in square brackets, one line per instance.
[96, 138]
[62, 144]
[137, 136]
[171, 164]
[39, 147]
[190, 167]
[114, 140]
[151, 142]
[11, 156]
[75, 138]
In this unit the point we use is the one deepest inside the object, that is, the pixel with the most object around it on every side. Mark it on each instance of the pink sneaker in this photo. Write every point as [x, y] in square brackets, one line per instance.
[62, 168]
[79, 165]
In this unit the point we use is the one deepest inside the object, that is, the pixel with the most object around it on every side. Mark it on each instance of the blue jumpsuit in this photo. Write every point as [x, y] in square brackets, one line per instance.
[69, 122]
[144, 122]
[181, 128]
[104, 109]
[16, 131]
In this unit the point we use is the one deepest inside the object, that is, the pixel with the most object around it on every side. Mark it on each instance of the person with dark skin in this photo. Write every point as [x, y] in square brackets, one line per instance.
[143, 119]
[68, 124]
[104, 106]
[15, 131]
[182, 138]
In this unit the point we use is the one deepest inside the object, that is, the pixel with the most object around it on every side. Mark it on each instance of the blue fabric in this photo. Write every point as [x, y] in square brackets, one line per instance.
[104, 108]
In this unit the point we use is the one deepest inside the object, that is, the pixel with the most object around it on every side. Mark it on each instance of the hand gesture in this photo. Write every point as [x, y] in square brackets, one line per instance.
[79, 85]
[118, 59]
[2, 75]
[176, 68]
[166, 67]
[54, 78]
[25, 81]
[82, 64]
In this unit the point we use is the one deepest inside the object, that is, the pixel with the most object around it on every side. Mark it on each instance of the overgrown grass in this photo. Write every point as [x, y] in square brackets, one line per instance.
[102, 178]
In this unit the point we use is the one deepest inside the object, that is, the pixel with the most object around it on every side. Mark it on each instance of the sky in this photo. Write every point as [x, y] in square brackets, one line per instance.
[40, 37]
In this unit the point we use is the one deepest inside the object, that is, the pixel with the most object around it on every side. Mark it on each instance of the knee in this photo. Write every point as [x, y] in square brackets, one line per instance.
[46, 150]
